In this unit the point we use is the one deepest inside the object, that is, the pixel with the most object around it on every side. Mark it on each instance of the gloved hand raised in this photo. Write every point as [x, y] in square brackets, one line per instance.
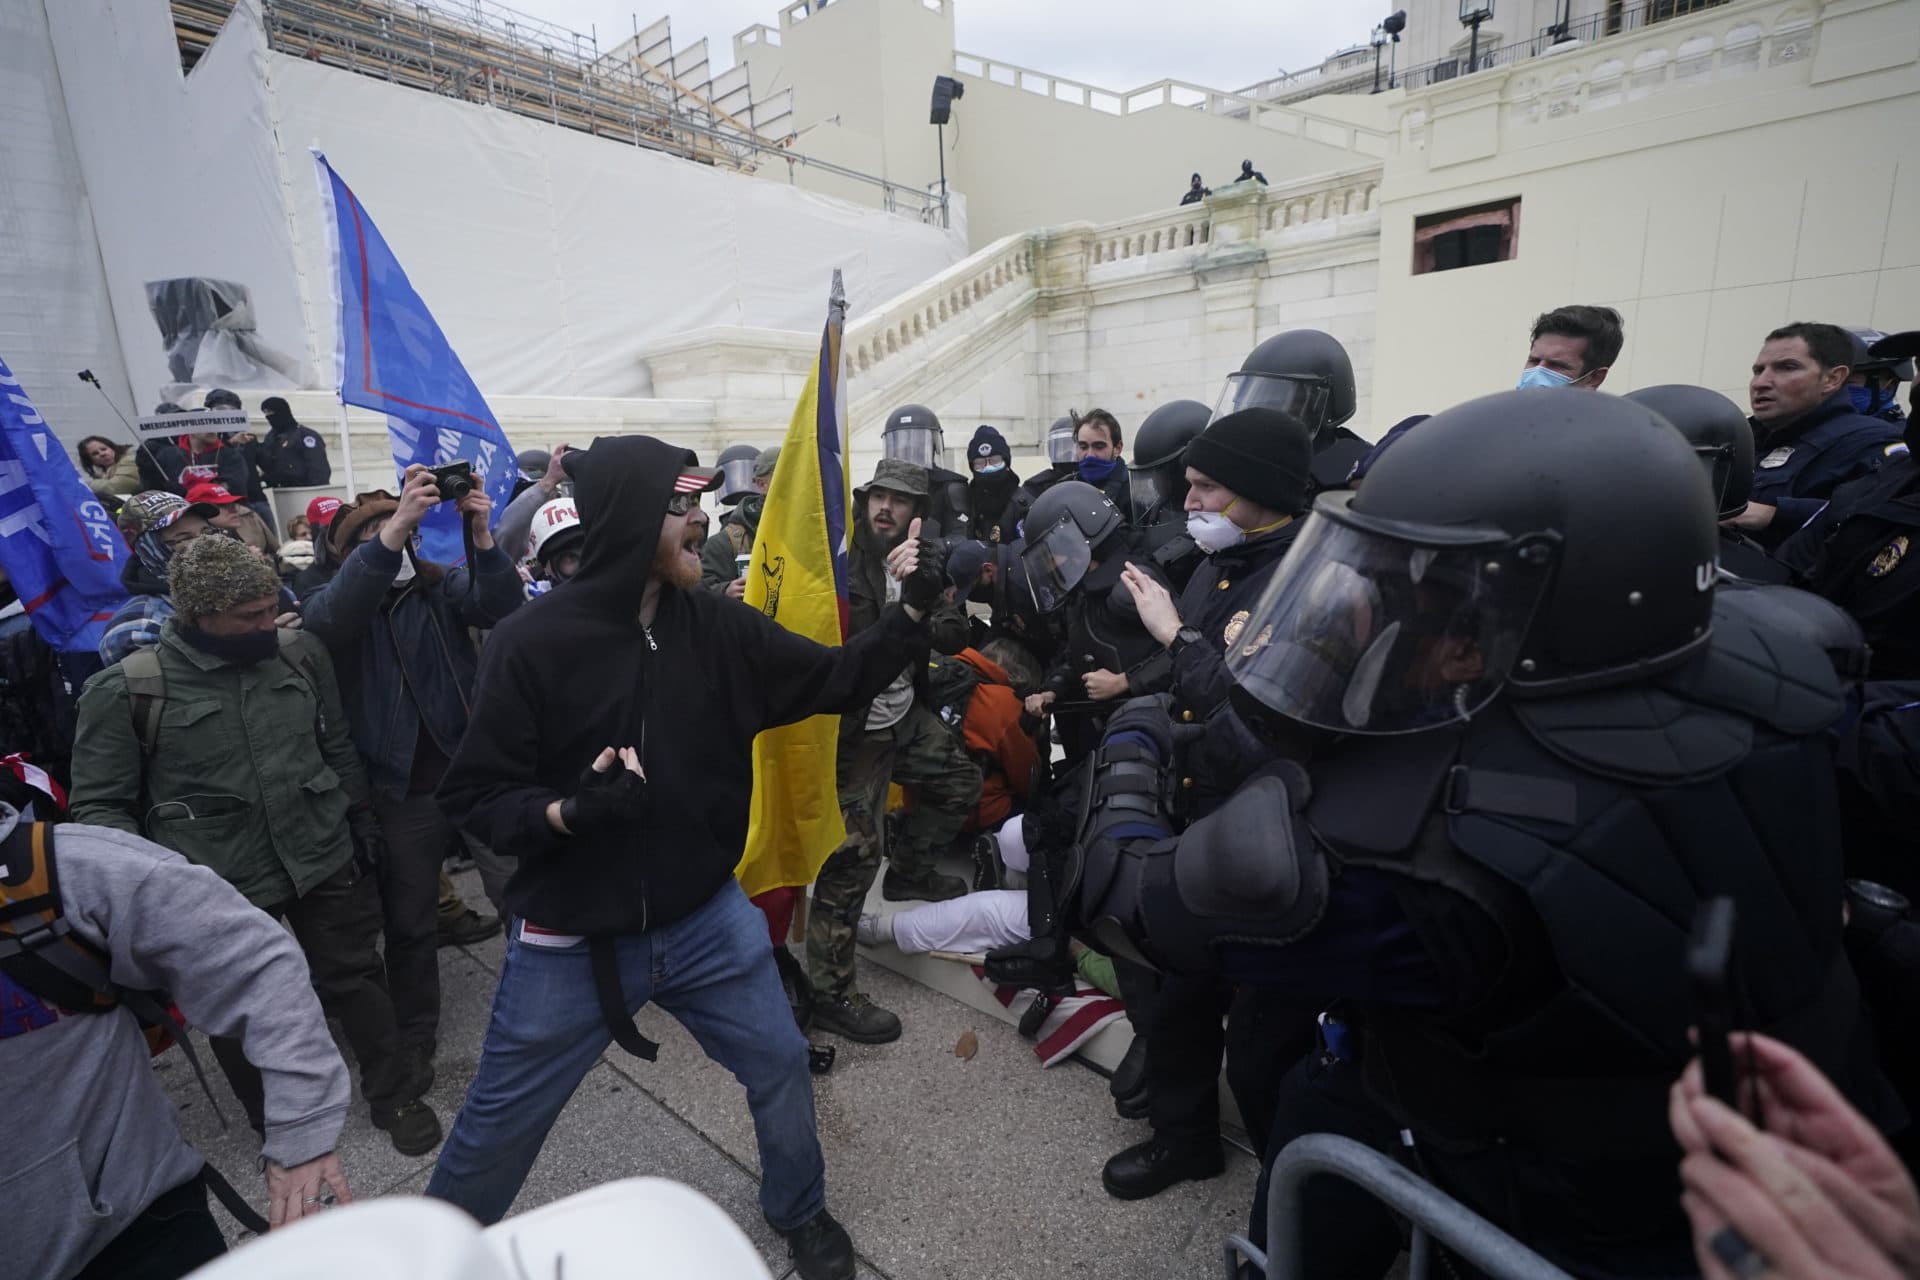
[920, 570]
[608, 797]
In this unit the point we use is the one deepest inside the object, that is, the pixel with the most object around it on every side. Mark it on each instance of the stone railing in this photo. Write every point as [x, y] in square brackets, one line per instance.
[1012, 272]
[1713, 45]
[1290, 120]
[1190, 228]
[993, 278]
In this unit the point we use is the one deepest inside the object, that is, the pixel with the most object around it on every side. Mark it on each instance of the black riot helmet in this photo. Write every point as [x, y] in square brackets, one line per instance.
[1070, 526]
[1866, 360]
[736, 473]
[1304, 372]
[1489, 549]
[1718, 431]
[1159, 473]
[1060, 449]
[912, 434]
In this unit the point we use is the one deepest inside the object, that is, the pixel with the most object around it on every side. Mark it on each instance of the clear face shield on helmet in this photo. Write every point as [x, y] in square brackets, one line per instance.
[1060, 447]
[1055, 560]
[1363, 631]
[923, 446]
[736, 479]
[1303, 398]
[1152, 486]
[1717, 461]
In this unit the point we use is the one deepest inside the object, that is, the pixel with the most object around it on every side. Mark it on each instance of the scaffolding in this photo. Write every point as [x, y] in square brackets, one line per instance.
[643, 92]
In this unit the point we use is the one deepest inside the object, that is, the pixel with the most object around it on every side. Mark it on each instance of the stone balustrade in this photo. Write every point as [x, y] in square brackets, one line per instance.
[888, 350]
[1295, 119]
[1713, 45]
[992, 276]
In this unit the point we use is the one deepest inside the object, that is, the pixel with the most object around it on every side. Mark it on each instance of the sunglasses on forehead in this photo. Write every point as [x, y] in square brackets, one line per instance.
[681, 503]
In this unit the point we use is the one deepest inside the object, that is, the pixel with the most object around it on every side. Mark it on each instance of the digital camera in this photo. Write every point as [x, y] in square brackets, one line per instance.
[454, 480]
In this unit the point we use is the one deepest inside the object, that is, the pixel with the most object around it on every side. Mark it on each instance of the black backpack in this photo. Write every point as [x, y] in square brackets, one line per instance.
[950, 686]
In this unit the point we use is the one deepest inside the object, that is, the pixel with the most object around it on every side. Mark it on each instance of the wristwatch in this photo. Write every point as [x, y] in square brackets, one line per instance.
[1182, 638]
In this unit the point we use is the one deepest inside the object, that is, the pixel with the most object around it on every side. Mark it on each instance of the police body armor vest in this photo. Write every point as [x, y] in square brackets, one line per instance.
[1587, 829]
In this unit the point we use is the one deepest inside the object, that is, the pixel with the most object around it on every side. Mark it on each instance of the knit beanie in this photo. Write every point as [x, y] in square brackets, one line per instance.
[987, 442]
[212, 575]
[1263, 455]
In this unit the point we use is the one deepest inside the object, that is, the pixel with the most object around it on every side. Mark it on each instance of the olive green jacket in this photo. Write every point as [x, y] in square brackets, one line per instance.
[252, 771]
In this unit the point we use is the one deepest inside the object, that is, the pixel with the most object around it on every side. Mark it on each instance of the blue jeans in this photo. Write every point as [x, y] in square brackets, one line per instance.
[713, 971]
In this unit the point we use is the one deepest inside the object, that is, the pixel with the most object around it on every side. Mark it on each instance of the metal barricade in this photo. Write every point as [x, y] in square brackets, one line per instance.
[1434, 1215]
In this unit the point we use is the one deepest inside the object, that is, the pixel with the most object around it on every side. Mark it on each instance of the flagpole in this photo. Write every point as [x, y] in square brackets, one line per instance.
[346, 450]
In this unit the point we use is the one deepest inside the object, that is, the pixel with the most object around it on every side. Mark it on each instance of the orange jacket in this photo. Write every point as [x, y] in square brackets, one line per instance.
[994, 738]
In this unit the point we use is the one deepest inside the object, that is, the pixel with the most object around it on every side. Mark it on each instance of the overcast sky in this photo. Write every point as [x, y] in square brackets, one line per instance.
[1115, 44]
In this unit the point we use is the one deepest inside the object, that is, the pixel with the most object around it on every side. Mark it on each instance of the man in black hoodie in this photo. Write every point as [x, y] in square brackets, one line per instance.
[624, 891]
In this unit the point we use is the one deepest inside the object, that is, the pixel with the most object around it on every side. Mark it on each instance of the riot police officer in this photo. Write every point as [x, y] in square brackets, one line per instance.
[1496, 889]
[1873, 386]
[1159, 479]
[1808, 438]
[736, 474]
[1247, 477]
[912, 433]
[1863, 550]
[1075, 551]
[1723, 442]
[1061, 465]
[1308, 374]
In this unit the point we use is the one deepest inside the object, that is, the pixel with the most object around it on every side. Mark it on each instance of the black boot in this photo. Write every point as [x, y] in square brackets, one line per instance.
[821, 1249]
[1150, 1167]
[1132, 1094]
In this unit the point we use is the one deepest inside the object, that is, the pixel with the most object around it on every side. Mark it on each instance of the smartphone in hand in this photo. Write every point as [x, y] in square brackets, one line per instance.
[1709, 974]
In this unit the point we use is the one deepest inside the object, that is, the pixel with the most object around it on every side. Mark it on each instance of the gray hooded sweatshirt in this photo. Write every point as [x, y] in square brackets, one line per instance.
[91, 1138]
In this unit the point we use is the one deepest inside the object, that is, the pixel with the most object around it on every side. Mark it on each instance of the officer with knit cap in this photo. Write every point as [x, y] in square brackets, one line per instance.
[990, 490]
[1249, 477]
[227, 743]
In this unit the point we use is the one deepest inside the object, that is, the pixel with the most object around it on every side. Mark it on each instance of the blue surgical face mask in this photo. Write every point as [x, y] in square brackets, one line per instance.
[1867, 401]
[1096, 470]
[1541, 376]
[991, 469]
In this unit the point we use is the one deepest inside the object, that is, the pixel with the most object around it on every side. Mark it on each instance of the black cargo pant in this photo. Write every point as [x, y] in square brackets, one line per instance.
[418, 836]
[337, 924]
[1190, 1023]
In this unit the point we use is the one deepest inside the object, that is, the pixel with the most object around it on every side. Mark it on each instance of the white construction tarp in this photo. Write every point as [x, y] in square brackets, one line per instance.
[186, 195]
[548, 256]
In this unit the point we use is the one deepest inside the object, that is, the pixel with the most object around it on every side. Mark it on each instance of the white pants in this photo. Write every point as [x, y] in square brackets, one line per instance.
[971, 922]
[1013, 844]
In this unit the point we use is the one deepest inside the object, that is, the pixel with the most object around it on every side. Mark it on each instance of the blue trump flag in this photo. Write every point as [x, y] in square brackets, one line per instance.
[393, 357]
[59, 546]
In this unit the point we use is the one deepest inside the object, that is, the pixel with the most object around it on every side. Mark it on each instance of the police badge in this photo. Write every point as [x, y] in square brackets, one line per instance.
[1889, 557]
[1235, 625]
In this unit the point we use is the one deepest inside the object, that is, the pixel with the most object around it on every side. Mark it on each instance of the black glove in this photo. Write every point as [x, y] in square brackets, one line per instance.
[615, 798]
[369, 842]
[923, 587]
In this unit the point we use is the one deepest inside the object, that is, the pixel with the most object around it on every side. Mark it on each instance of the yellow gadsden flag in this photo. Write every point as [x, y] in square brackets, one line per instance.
[799, 578]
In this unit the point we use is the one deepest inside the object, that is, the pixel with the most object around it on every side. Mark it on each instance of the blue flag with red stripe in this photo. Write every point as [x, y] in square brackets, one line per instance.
[392, 357]
[60, 547]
